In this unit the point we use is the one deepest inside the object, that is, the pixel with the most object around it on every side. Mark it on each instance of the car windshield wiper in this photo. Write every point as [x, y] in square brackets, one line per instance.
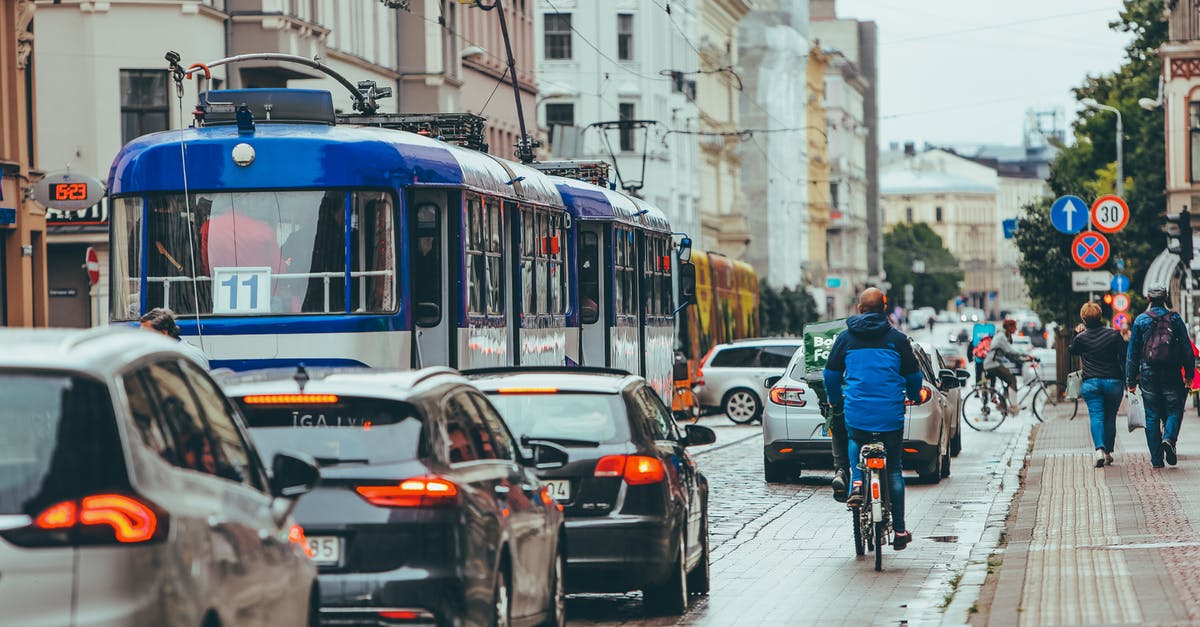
[527, 439]
[334, 461]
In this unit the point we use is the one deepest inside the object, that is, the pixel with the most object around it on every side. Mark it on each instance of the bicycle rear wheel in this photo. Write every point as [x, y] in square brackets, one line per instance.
[860, 542]
[980, 410]
[880, 538]
[1039, 404]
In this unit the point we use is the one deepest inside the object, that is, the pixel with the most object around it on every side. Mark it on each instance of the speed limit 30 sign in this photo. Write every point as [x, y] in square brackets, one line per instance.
[1110, 214]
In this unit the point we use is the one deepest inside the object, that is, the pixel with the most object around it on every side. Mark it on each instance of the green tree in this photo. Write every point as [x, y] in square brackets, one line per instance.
[1088, 169]
[938, 283]
[784, 311]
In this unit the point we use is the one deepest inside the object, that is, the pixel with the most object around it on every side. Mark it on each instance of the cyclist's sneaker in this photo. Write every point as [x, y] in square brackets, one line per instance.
[901, 540]
[1108, 459]
[1099, 458]
[856, 495]
[839, 485]
[1168, 449]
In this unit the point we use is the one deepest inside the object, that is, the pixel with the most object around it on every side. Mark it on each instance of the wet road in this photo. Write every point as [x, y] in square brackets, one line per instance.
[782, 554]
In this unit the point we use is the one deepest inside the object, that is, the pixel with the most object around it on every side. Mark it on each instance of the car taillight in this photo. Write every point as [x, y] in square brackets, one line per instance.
[634, 469]
[415, 492]
[791, 397]
[922, 398]
[96, 519]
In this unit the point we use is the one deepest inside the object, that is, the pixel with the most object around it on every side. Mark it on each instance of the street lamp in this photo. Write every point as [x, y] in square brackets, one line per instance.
[1091, 102]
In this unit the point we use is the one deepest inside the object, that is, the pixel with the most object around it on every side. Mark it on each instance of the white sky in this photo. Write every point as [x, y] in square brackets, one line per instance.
[965, 71]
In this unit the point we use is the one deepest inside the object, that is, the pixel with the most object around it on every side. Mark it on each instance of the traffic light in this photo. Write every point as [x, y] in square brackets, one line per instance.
[1108, 298]
[1179, 236]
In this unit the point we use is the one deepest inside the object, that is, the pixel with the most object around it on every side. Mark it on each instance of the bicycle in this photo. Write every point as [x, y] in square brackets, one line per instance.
[985, 408]
[872, 519]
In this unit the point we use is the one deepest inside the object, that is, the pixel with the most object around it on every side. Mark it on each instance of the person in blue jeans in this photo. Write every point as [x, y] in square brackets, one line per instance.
[1159, 358]
[870, 370]
[1103, 350]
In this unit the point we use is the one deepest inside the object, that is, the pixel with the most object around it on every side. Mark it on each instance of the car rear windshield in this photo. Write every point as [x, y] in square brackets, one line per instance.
[587, 417]
[351, 430]
[59, 441]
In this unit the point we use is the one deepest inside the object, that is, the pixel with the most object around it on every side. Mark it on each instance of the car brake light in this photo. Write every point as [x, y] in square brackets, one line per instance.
[527, 391]
[415, 492]
[791, 397]
[296, 536]
[634, 469]
[130, 519]
[922, 398]
[402, 616]
[290, 399]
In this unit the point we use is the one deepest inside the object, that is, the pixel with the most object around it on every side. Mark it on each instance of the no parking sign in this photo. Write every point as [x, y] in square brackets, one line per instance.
[1090, 250]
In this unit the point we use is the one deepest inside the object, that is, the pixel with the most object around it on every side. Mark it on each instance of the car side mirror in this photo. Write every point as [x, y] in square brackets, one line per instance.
[427, 314]
[545, 456]
[687, 283]
[696, 435]
[963, 376]
[293, 474]
[770, 382]
[948, 379]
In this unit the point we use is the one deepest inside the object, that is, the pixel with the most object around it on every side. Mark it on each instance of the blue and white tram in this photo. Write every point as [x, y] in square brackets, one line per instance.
[294, 238]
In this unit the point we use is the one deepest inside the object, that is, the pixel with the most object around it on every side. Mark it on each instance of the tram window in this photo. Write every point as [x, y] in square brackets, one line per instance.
[476, 269]
[649, 263]
[563, 263]
[495, 259]
[543, 291]
[528, 278]
[589, 278]
[427, 265]
[126, 299]
[373, 255]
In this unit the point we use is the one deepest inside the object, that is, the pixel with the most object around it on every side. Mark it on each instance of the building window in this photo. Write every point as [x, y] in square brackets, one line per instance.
[938, 216]
[1194, 139]
[143, 103]
[559, 114]
[558, 35]
[626, 113]
[908, 214]
[625, 37]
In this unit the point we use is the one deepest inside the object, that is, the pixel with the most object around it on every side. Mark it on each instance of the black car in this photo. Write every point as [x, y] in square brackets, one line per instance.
[427, 512]
[636, 506]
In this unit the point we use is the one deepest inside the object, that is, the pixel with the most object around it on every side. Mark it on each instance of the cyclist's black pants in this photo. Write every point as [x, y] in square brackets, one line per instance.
[838, 440]
[1005, 375]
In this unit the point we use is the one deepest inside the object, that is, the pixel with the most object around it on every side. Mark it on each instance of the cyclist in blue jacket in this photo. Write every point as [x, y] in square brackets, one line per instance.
[871, 368]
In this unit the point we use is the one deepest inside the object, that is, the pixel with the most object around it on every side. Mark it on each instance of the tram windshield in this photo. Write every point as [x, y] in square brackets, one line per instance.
[254, 253]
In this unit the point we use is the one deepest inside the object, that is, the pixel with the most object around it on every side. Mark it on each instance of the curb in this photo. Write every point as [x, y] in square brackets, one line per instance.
[970, 585]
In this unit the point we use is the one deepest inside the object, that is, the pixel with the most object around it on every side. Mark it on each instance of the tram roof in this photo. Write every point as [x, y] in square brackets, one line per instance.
[591, 202]
[292, 156]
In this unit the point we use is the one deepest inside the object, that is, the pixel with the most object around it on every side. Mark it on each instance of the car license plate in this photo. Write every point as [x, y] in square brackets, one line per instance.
[559, 489]
[326, 550]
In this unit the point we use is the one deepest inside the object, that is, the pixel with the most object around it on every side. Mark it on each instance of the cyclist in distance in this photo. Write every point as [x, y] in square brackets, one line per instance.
[994, 364]
[870, 371]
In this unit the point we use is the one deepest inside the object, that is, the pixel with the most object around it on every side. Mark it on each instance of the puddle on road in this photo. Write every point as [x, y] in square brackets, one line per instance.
[942, 538]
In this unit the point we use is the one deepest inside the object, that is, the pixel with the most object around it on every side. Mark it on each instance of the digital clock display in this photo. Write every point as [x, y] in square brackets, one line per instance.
[68, 191]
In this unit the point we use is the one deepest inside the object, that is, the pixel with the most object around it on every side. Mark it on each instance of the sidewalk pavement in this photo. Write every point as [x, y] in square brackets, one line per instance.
[1100, 546]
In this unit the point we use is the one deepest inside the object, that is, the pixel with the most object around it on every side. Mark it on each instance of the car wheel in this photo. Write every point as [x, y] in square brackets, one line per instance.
[945, 466]
[956, 442]
[699, 578]
[558, 602]
[501, 601]
[932, 472]
[671, 596]
[741, 405]
[775, 472]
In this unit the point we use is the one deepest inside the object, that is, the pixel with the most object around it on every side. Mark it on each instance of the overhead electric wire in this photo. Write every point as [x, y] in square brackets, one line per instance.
[994, 26]
[601, 52]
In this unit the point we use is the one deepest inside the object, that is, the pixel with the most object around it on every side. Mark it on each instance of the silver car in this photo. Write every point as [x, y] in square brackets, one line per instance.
[795, 437]
[731, 375]
[130, 494]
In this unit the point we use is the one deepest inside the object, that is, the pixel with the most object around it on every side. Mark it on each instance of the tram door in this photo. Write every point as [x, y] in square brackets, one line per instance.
[593, 295]
[433, 303]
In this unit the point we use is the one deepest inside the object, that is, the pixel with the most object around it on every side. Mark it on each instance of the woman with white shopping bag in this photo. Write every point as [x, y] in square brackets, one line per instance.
[1158, 364]
[1103, 351]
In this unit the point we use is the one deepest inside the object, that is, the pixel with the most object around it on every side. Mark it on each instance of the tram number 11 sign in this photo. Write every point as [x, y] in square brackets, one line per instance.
[241, 290]
[1110, 214]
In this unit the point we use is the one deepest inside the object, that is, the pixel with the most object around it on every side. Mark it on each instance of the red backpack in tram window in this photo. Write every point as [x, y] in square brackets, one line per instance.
[982, 348]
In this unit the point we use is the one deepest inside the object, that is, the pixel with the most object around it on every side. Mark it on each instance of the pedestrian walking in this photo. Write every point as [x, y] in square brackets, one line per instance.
[162, 320]
[1159, 361]
[870, 371]
[1103, 350]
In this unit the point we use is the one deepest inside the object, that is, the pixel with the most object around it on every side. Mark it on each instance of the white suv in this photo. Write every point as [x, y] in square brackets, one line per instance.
[731, 375]
[795, 438]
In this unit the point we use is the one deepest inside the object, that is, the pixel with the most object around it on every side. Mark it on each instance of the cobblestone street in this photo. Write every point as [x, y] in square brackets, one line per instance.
[782, 554]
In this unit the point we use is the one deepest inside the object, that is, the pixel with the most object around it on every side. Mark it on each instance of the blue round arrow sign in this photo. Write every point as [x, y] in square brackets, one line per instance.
[1069, 214]
[1120, 283]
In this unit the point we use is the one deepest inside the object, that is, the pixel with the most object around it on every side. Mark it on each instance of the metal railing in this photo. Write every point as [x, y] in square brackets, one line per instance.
[362, 275]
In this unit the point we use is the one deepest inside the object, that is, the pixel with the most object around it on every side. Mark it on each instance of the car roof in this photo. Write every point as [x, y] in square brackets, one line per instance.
[101, 352]
[596, 380]
[401, 385]
[763, 341]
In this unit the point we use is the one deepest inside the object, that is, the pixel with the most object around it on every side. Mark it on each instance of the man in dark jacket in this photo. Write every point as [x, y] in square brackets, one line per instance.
[1159, 374]
[871, 369]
